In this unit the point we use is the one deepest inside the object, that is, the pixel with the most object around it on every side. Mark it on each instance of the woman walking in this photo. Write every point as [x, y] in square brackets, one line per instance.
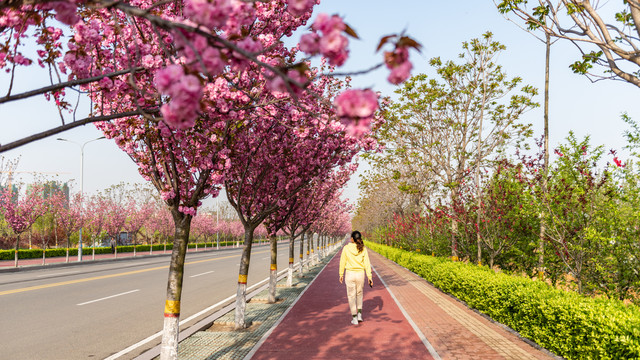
[355, 260]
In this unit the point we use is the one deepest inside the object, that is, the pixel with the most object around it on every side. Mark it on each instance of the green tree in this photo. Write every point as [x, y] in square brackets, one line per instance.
[510, 217]
[607, 34]
[577, 208]
[441, 129]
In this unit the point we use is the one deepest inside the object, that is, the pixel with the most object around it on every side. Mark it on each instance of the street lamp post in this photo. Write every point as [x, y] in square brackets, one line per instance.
[81, 186]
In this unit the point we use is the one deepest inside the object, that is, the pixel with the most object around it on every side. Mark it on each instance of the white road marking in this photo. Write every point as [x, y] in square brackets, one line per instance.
[64, 273]
[204, 273]
[108, 297]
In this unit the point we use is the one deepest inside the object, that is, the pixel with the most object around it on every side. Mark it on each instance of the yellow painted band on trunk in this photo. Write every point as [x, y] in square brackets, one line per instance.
[172, 307]
[274, 267]
[242, 279]
[291, 260]
[300, 256]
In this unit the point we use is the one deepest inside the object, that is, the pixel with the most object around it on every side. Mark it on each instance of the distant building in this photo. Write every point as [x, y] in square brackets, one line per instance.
[14, 192]
[50, 188]
[124, 238]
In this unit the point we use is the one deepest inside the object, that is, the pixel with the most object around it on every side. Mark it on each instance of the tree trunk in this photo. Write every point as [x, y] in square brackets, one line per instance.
[273, 269]
[241, 296]
[454, 244]
[134, 244]
[290, 271]
[15, 254]
[68, 245]
[308, 252]
[44, 251]
[301, 254]
[545, 170]
[312, 255]
[169, 346]
[478, 159]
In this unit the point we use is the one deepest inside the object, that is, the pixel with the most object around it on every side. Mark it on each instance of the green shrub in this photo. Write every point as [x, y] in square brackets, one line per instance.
[567, 323]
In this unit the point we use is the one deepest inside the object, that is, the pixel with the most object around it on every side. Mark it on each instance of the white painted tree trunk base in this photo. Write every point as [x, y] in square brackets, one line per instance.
[241, 307]
[169, 347]
[290, 276]
[273, 279]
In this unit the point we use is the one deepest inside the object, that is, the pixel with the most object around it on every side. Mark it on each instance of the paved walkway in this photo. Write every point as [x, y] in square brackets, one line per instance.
[318, 325]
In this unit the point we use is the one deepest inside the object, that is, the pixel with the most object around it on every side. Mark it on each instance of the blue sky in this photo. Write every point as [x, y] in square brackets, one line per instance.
[441, 27]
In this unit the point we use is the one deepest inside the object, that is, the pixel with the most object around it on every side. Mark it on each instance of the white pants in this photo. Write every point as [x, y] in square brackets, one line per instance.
[355, 282]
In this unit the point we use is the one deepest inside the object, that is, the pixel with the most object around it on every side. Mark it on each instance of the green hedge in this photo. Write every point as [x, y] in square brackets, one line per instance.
[567, 323]
[37, 253]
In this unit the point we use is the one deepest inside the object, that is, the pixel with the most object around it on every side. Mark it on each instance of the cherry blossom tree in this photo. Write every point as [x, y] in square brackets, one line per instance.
[203, 225]
[115, 219]
[306, 206]
[161, 222]
[69, 217]
[275, 158]
[97, 209]
[209, 36]
[137, 217]
[22, 212]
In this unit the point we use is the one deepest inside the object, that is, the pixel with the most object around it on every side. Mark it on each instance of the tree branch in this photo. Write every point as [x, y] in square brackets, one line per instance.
[62, 128]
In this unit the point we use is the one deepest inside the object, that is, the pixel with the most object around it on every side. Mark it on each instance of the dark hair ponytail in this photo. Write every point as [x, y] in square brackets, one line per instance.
[357, 238]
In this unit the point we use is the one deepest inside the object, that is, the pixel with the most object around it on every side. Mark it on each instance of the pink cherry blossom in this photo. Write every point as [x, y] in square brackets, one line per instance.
[334, 46]
[310, 43]
[356, 103]
[398, 62]
[299, 7]
[328, 24]
[66, 12]
[212, 14]
[400, 73]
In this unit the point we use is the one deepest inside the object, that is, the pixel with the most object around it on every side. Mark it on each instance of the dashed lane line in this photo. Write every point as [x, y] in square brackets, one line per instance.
[108, 297]
[204, 273]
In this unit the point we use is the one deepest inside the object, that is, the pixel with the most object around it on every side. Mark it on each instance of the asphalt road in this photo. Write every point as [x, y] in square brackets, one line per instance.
[94, 310]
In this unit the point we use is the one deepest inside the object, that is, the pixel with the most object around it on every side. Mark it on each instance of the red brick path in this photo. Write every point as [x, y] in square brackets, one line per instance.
[319, 326]
[454, 331]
